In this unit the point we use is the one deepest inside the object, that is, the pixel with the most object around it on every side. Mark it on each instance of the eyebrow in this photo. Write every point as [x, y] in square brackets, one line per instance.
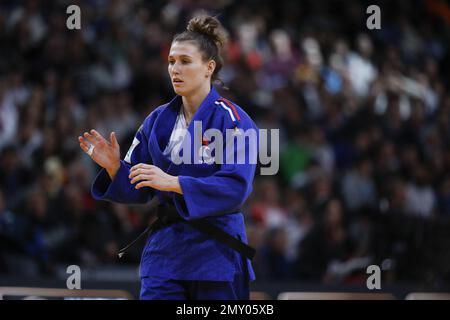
[181, 56]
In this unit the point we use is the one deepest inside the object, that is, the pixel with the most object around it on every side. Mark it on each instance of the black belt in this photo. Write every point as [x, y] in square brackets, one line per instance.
[167, 215]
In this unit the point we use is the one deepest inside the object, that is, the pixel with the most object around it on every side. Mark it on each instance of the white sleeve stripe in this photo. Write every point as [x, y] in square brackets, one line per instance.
[228, 109]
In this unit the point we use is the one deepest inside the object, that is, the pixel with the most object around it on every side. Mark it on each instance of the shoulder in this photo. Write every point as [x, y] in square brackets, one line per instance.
[150, 119]
[232, 114]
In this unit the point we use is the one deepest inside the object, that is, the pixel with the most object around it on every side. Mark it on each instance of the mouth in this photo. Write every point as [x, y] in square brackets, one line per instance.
[177, 81]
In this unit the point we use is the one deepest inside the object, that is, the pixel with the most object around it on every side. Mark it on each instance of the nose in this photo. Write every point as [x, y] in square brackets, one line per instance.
[175, 68]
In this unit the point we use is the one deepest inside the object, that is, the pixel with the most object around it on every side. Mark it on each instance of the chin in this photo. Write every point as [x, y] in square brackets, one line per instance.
[180, 91]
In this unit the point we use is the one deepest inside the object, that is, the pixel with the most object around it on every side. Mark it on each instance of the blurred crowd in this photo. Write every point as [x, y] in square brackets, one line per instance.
[364, 119]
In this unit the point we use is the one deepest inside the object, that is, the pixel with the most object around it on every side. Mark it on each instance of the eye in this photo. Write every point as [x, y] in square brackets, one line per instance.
[185, 61]
[171, 61]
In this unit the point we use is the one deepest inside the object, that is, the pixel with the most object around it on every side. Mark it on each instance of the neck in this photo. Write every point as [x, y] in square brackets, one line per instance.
[191, 103]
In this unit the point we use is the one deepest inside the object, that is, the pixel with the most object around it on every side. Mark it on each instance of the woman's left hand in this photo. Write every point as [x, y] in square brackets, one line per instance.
[151, 176]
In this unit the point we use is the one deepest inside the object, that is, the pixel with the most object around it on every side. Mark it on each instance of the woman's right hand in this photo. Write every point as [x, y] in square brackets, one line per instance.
[106, 154]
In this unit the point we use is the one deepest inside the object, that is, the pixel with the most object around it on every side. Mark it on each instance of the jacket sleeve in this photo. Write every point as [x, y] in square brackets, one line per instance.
[120, 188]
[223, 192]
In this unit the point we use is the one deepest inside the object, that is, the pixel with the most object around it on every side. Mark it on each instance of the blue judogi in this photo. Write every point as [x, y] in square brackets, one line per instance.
[215, 192]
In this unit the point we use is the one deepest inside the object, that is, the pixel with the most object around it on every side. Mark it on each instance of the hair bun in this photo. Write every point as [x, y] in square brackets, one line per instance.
[208, 26]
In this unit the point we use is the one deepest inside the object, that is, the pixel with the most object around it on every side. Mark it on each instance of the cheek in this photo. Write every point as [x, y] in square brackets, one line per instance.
[193, 74]
[202, 70]
[170, 69]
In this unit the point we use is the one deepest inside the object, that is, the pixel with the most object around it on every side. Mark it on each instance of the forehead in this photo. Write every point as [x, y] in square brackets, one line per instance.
[184, 48]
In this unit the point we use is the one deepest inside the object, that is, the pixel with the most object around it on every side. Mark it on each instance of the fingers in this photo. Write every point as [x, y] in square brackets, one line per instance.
[113, 139]
[97, 136]
[84, 145]
[138, 166]
[142, 168]
[144, 184]
[136, 172]
[140, 177]
[143, 165]
[89, 138]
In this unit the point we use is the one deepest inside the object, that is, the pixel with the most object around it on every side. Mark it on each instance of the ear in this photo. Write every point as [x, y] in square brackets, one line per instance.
[211, 67]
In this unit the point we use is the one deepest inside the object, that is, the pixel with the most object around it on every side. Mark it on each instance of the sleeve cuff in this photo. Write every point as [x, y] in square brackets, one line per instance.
[104, 188]
[179, 200]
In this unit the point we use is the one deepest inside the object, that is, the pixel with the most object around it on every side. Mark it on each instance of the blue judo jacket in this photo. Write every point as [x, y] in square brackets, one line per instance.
[211, 191]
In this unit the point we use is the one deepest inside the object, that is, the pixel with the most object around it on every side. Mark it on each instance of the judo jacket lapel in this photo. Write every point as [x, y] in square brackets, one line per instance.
[162, 129]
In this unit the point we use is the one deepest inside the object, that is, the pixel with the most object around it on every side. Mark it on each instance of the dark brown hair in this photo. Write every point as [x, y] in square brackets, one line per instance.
[208, 34]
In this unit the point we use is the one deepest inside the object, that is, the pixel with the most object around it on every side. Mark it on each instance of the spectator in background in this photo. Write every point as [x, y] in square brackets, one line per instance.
[300, 222]
[337, 93]
[13, 175]
[268, 211]
[358, 187]
[326, 242]
[295, 156]
[420, 196]
[361, 70]
[8, 115]
[274, 255]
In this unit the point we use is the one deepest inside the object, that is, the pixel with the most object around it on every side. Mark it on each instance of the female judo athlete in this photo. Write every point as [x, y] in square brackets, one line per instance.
[197, 248]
